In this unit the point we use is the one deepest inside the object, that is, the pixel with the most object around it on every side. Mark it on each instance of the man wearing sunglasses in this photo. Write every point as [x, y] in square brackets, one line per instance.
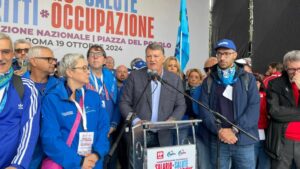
[20, 63]
[19, 112]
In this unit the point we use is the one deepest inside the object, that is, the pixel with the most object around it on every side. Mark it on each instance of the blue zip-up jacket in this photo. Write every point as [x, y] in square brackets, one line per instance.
[58, 116]
[111, 84]
[19, 126]
[38, 154]
[245, 105]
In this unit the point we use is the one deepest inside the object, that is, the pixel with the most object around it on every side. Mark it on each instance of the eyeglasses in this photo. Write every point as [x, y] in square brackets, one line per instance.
[226, 54]
[50, 59]
[21, 50]
[85, 68]
[293, 70]
[96, 54]
[5, 52]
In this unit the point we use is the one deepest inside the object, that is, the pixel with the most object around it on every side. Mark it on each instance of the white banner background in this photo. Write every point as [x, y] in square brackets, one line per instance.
[35, 16]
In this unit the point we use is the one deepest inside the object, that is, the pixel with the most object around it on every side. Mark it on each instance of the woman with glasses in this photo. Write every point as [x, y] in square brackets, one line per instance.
[74, 124]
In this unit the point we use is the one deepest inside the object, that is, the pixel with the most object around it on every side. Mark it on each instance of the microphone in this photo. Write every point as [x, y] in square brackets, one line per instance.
[156, 76]
[152, 75]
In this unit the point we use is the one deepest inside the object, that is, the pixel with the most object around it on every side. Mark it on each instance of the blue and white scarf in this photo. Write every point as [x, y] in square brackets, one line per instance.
[227, 76]
[4, 83]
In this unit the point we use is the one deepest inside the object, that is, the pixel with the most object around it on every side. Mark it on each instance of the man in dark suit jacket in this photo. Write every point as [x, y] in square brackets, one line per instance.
[159, 102]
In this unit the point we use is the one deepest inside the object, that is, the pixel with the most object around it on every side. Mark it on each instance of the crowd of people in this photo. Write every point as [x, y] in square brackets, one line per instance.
[68, 113]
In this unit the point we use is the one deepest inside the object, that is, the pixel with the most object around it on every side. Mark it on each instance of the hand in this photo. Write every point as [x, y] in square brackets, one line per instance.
[111, 130]
[227, 136]
[141, 122]
[19, 72]
[170, 119]
[10, 168]
[89, 161]
[296, 79]
[138, 131]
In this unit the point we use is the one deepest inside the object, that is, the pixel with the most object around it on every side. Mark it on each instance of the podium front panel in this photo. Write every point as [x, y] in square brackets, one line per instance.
[173, 157]
[175, 146]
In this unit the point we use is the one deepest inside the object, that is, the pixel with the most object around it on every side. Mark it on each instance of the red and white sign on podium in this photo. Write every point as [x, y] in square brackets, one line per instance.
[164, 145]
[174, 157]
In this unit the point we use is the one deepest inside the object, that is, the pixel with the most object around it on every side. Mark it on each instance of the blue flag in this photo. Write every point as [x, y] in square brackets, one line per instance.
[182, 51]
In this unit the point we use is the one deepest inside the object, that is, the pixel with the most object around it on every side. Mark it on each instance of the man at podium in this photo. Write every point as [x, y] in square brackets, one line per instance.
[152, 100]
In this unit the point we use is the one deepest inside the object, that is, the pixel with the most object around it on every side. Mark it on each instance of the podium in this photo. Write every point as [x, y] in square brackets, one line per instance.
[176, 148]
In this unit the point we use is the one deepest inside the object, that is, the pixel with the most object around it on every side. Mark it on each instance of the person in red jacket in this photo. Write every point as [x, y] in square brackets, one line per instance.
[262, 159]
[274, 71]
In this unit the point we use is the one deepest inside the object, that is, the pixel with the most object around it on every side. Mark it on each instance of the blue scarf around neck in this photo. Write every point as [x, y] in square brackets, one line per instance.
[227, 76]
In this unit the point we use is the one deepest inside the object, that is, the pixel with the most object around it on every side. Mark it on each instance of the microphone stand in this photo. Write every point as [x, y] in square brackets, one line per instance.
[218, 117]
[127, 122]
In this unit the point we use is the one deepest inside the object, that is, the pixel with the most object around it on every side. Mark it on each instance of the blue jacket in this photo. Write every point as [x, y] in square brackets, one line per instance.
[195, 94]
[38, 154]
[58, 116]
[111, 104]
[19, 126]
[192, 110]
[245, 105]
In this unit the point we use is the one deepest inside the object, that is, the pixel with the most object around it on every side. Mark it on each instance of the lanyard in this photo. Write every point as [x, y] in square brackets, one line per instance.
[102, 87]
[99, 89]
[81, 110]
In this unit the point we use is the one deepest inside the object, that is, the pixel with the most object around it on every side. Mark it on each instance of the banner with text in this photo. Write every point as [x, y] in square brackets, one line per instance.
[123, 28]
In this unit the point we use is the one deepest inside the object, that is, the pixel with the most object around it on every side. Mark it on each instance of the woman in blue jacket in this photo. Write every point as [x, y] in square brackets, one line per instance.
[59, 110]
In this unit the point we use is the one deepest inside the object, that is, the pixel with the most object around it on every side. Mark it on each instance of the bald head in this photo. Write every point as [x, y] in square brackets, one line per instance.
[121, 73]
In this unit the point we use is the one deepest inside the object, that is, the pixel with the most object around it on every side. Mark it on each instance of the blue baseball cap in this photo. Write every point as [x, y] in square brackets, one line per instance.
[225, 43]
[139, 65]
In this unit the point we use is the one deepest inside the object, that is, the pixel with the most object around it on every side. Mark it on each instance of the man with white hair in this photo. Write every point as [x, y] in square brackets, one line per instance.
[42, 65]
[283, 137]
[19, 112]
